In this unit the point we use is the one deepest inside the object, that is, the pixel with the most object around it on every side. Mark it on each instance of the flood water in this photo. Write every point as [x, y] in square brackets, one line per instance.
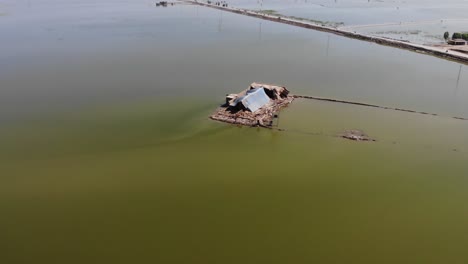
[107, 154]
[356, 12]
[417, 21]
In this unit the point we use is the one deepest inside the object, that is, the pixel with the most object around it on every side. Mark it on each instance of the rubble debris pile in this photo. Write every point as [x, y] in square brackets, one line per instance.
[256, 106]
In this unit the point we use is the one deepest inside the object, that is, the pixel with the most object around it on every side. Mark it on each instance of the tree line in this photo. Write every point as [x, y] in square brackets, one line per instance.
[456, 35]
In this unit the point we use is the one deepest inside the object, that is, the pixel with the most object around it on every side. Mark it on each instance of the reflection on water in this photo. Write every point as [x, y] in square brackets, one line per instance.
[107, 155]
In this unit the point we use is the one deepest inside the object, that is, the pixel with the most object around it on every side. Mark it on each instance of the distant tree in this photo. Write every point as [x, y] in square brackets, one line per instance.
[464, 36]
[456, 36]
[446, 35]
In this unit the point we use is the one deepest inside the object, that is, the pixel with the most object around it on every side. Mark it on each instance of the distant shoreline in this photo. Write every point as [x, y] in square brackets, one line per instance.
[439, 52]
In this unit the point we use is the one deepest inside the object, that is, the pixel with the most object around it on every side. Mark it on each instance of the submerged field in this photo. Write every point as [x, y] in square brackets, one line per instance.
[356, 12]
[107, 154]
[417, 21]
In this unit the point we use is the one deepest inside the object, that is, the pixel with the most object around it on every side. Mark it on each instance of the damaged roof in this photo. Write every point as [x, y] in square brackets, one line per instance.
[253, 100]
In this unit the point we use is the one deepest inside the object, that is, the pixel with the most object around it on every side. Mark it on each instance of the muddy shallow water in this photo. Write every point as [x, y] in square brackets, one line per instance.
[107, 153]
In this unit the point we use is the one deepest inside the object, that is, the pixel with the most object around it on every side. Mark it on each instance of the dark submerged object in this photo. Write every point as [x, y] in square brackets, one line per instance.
[356, 135]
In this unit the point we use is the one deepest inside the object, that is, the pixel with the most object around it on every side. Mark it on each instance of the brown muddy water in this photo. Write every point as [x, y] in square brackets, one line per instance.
[107, 154]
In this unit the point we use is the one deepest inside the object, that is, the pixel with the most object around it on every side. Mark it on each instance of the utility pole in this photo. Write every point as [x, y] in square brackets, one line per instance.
[458, 80]
[220, 20]
[260, 30]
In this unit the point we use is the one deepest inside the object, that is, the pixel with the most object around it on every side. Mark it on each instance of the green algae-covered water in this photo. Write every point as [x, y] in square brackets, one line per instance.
[107, 154]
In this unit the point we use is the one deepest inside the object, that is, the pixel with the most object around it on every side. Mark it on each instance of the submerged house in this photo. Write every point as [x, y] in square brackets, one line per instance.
[256, 106]
[257, 96]
[457, 42]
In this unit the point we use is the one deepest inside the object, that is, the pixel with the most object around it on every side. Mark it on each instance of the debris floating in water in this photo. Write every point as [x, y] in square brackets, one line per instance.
[256, 106]
[166, 3]
[356, 135]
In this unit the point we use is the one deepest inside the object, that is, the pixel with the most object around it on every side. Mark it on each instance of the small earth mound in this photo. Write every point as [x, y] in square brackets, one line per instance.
[356, 135]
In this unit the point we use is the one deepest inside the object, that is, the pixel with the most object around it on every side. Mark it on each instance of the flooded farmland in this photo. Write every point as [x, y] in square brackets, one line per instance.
[418, 21]
[107, 153]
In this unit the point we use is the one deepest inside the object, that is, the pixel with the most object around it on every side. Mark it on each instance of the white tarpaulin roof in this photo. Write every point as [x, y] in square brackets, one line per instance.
[255, 99]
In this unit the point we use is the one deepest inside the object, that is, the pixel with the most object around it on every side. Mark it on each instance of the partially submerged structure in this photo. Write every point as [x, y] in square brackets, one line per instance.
[166, 3]
[457, 42]
[162, 3]
[256, 106]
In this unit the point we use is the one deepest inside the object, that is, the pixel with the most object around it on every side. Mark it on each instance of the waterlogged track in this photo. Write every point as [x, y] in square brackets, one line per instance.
[434, 51]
